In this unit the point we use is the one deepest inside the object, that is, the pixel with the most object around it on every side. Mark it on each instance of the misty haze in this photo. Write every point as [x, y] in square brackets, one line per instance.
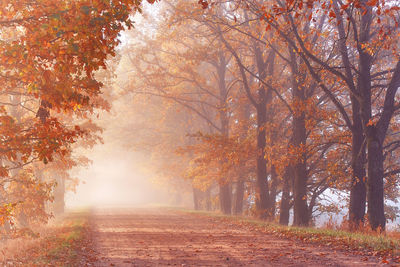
[199, 133]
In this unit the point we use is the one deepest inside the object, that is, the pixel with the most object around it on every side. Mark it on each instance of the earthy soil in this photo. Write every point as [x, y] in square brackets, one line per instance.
[159, 237]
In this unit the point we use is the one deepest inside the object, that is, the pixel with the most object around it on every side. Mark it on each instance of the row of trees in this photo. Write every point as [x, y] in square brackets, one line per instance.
[264, 106]
[278, 104]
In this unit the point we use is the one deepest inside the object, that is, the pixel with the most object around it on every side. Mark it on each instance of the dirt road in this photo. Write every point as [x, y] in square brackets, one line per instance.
[159, 237]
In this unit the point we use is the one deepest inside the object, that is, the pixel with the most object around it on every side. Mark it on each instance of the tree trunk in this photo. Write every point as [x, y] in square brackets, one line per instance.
[208, 199]
[225, 189]
[301, 214]
[360, 95]
[272, 193]
[262, 182]
[376, 212]
[244, 121]
[358, 189]
[375, 137]
[239, 197]
[196, 198]
[225, 200]
[263, 194]
[285, 200]
[300, 173]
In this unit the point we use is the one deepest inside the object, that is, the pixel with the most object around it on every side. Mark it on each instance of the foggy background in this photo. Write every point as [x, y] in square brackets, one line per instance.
[115, 178]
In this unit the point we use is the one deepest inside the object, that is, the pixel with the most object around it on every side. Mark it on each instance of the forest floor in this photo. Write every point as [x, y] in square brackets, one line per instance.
[164, 237]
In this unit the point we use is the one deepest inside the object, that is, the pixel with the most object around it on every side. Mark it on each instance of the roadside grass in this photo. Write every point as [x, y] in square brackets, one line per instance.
[62, 249]
[384, 245]
[63, 244]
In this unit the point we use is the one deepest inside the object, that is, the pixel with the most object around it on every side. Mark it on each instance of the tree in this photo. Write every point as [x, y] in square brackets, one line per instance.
[360, 58]
[49, 52]
[187, 83]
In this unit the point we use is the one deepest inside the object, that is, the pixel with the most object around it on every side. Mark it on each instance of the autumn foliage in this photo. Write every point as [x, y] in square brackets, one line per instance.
[257, 107]
[288, 105]
[50, 52]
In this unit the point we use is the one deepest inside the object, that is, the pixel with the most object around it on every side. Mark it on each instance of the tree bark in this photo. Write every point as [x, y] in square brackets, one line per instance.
[300, 173]
[285, 200]
[208, 199]
[376, 211]
[225, 193]
[262, 182]
[263, 193]
[272, 193]
[301, 214]
[238, 209]
[196, 198]
[225, 190]
[358, 189]
[376, 134]
[244, 121]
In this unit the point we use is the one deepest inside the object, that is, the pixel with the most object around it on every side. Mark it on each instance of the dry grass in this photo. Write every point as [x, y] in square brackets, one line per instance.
[58, 244]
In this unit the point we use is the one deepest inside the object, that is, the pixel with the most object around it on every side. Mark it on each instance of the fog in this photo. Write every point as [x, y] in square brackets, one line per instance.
[120, 174]
[115, 178]
[182, 125]
[283, 111]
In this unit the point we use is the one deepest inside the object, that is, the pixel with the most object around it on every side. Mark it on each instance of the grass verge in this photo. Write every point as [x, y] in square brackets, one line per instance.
[358, 242]
[66, 244]
[63, 248]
